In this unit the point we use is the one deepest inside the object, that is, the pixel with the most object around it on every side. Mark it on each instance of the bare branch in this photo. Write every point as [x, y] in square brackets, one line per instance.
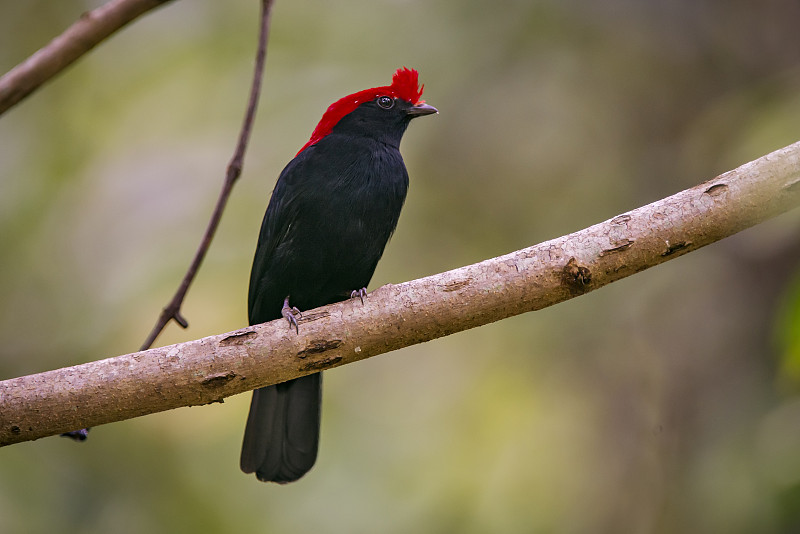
[173, 309]
[82, 36]
[395, 316]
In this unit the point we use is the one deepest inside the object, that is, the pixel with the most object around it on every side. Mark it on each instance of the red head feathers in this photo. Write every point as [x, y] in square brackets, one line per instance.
[405, 85]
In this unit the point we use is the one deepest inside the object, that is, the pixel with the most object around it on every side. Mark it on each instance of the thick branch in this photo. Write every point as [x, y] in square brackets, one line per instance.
[82, 36]
[395, 316]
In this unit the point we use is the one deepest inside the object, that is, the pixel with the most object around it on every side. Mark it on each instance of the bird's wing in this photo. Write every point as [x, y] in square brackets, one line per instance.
[289, 200]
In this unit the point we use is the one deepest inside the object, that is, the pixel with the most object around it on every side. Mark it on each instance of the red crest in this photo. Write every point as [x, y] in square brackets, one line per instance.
[405, 85]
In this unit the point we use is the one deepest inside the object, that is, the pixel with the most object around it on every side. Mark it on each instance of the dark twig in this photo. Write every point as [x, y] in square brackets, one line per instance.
[173, 309]
[75, 41]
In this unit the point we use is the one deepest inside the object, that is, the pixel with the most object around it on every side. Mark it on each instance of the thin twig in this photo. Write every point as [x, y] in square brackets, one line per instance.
[75, 41]
[173, 309]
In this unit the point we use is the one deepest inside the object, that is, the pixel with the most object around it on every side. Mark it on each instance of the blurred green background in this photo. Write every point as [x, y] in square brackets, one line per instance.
[668, 402]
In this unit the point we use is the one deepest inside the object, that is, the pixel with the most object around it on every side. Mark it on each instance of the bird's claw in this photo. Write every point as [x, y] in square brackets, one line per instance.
[291, 314]
[360, 293]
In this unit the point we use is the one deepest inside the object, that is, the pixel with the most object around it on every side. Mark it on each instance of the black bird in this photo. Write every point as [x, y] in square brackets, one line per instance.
[332, 211]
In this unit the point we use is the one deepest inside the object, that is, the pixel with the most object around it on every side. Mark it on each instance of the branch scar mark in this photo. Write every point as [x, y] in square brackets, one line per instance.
[317, 346]
[238, 338]
[793, 187]
[716, 190]
[218, 380]
[309, 317]
[672, 249]
[625, 245]
[456, 285]
[320, 365]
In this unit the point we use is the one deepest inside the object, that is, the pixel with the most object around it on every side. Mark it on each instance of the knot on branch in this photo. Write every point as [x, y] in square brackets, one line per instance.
[576, 277]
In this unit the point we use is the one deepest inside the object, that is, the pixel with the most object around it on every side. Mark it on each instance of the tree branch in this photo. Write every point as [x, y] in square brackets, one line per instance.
[82, 36]
[173, 309]
[395, 316]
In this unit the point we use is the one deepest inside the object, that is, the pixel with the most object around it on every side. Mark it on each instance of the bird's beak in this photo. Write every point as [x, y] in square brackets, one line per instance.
[421, 109]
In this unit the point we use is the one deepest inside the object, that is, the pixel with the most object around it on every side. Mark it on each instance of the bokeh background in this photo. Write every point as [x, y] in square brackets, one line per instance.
[667, 402]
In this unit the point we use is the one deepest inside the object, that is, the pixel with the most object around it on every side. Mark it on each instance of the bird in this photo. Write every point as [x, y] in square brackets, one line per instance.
[331, 213]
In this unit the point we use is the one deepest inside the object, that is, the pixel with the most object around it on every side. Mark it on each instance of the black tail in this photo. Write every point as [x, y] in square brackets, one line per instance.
[282, 433]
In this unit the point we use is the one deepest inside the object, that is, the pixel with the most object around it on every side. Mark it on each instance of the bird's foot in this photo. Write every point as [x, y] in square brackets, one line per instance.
[360, 293]
[291, 314]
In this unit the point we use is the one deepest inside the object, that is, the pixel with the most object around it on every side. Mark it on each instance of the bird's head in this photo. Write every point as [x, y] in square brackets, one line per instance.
[380, 112]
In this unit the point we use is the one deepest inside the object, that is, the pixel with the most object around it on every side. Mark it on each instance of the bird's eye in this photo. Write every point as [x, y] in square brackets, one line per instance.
[385, 102]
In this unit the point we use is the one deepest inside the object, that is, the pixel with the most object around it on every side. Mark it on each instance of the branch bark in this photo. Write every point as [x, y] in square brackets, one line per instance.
[92, 28]
[210, 369]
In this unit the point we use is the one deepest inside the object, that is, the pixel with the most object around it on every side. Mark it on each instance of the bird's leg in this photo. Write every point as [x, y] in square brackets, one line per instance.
[360, 293]
[291, 314]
